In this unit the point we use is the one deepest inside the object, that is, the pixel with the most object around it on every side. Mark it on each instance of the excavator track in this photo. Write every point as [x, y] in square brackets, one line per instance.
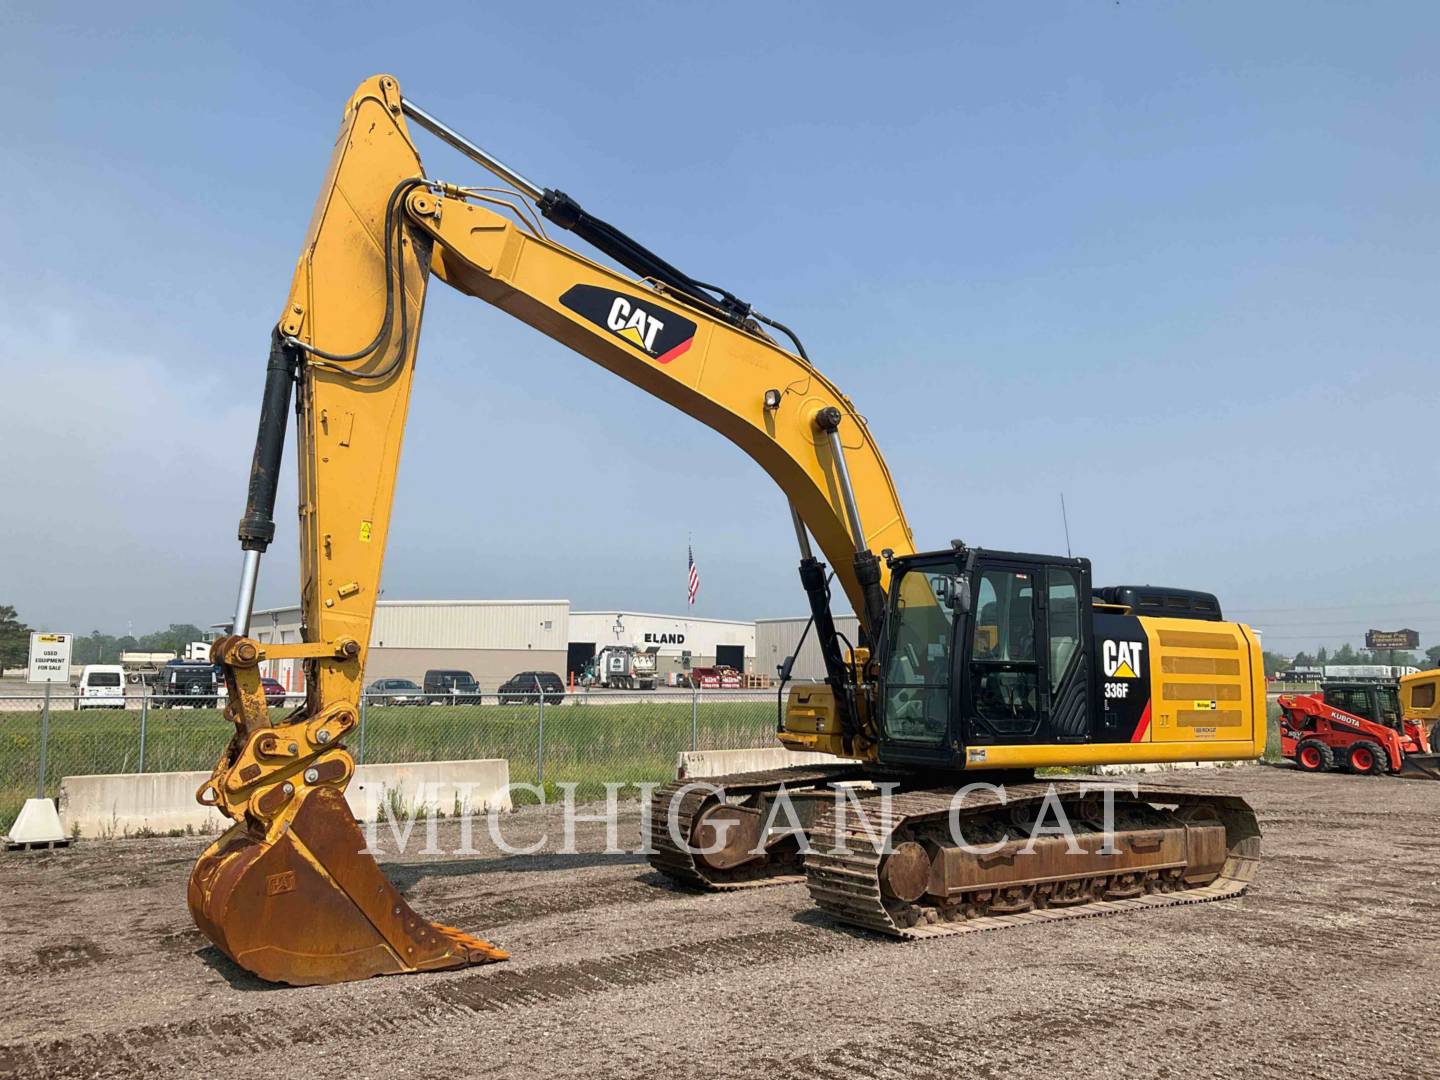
[748, 790]
[901, 878]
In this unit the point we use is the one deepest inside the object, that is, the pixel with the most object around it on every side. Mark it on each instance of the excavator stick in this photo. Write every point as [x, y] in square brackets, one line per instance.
[313, 907]
[291, 892]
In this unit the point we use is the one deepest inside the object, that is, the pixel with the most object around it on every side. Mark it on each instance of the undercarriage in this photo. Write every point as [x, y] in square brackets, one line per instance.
[909, 860]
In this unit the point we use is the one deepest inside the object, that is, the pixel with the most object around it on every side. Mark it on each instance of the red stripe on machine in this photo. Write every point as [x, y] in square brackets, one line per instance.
[1142, 727]
[676, 351]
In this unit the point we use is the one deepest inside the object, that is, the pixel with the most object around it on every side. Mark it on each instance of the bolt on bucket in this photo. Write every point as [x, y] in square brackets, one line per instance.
[310, 906]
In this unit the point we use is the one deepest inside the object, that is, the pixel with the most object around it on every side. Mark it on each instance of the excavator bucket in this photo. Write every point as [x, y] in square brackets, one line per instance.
[1420, 767]
[311, 906]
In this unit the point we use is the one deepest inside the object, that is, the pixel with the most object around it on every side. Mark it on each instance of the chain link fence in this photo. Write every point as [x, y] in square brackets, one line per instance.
[588, 738]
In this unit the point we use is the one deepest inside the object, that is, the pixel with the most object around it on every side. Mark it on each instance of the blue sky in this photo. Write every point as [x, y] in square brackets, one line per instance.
[1176, 261]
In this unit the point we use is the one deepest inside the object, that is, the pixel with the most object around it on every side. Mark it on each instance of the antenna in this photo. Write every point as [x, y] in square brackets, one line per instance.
[1066, 520]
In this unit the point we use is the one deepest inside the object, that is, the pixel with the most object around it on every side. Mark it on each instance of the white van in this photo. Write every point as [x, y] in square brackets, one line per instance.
[102, 686]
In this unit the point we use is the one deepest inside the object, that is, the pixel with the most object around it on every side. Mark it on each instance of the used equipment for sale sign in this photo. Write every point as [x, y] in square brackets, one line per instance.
[50, 657]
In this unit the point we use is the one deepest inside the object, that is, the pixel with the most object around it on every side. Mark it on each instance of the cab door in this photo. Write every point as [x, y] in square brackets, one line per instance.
[1065, 603]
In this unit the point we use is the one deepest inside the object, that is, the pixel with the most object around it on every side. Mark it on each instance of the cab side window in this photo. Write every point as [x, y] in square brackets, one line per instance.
[1063, 600]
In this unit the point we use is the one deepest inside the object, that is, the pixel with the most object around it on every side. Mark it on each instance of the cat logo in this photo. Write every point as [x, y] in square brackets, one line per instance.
[1121, 659]
[642, 324]
[634, 324]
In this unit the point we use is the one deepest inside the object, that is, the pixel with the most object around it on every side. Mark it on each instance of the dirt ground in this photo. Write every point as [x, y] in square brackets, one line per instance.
[1329, 967]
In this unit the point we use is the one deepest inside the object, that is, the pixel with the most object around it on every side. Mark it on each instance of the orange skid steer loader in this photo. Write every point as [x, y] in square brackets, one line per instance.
[1319, 737]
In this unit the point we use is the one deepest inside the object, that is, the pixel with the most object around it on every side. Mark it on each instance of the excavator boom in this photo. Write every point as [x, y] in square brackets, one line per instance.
[284, 892]
[970, 660]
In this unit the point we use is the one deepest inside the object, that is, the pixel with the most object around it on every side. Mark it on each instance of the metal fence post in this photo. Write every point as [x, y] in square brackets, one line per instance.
[360, 748]
[694, 718]
[144, 716]
[44, 742]
[540, 743]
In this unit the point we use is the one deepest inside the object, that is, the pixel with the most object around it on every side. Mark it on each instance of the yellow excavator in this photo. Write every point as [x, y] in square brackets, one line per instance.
[1420, 701]
[972, 664]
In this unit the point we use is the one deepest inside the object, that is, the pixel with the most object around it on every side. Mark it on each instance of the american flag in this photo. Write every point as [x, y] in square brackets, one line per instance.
[694, 574]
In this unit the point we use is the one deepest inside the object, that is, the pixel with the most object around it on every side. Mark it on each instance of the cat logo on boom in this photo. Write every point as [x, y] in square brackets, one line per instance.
[1122, 659]
[657, 332]
[633, 322]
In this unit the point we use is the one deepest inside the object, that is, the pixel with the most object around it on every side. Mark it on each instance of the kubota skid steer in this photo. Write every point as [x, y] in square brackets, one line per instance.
[1318, 737]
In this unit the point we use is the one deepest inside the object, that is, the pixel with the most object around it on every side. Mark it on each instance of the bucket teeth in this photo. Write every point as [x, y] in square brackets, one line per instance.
[477, 949]
[312, 906]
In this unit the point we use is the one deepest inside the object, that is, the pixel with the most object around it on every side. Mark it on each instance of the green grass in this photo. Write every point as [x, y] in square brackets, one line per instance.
[1272, 739]
[585, 744]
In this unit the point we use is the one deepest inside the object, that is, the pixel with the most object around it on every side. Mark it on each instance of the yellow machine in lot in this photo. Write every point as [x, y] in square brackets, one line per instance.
[973, 663]
[1420, 700]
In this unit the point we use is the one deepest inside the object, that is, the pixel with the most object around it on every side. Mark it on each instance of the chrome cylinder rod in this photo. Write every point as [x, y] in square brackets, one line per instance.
[469, 149]
[847, 493]
[800, 533]
[245, 602]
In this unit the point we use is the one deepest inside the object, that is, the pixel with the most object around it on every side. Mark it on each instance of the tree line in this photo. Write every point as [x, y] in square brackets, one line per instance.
[1348, 654]
[98, 648]
[94, 648]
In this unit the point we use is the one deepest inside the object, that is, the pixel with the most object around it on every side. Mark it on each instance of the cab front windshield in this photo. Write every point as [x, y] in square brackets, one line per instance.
[921, 638]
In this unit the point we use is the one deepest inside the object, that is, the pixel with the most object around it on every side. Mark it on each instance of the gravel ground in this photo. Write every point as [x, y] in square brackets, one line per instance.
[617, 975]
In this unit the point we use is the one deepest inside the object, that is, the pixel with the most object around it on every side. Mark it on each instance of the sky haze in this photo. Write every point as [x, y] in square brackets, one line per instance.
[1174, 261]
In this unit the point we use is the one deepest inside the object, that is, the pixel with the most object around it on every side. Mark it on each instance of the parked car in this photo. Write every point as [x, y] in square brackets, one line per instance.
[447, 686]
[102, 686]
[274, 693]
[395, 692]
[527, 686]
[183, 682]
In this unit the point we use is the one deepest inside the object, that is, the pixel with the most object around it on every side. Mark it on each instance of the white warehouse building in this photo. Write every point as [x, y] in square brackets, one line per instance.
[495, 639]
[491, 639]
[775, 639]
[683, 641]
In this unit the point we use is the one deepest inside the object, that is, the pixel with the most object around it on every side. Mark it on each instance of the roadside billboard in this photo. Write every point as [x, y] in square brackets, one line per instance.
[1382, 640]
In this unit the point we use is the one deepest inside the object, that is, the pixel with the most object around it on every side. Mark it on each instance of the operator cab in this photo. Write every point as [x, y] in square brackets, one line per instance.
[984, 648]
[1376, 700]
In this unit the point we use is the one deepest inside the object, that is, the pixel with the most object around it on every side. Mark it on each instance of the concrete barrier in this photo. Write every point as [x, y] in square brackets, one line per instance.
[1167, 766]
[696, 764]
[123, 804]
[451, 787]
